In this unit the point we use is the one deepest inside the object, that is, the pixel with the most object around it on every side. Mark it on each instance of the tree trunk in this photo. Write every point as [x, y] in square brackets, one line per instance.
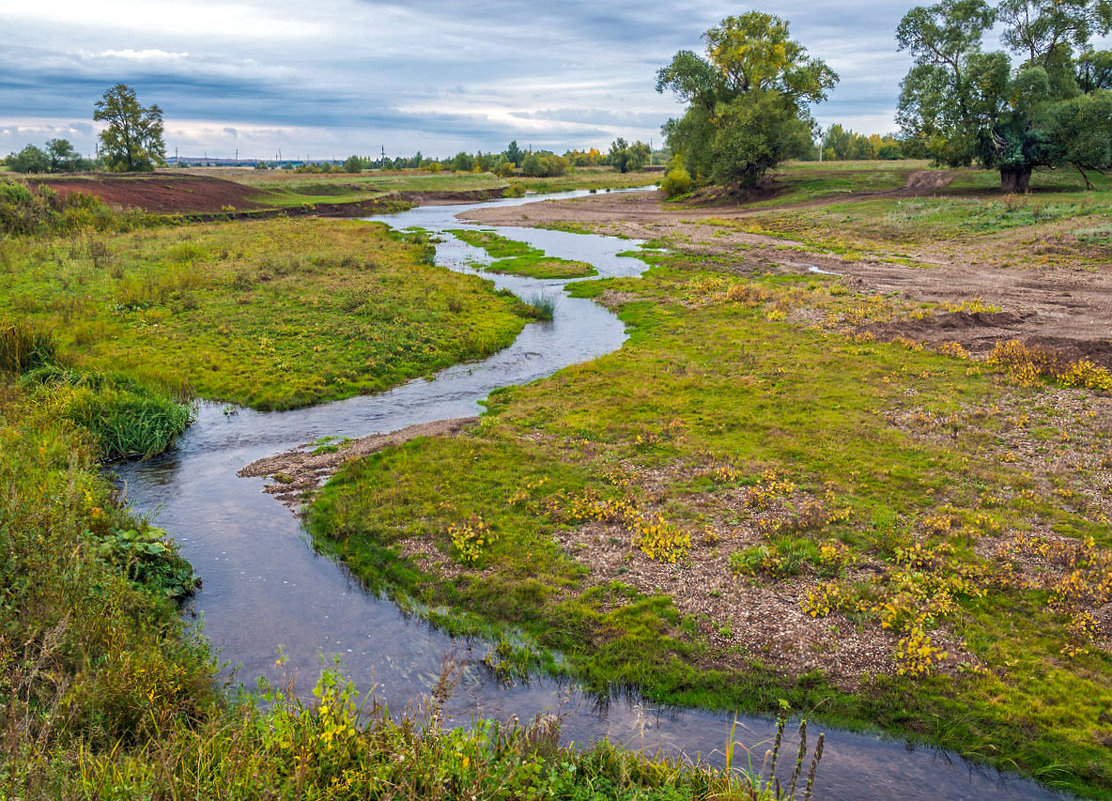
[1014, 180]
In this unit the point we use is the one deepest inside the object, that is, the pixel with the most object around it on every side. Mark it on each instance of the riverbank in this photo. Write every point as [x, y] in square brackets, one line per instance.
[271, 314]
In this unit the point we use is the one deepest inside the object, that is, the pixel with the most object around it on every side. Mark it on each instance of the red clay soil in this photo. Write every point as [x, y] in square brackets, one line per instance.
[184, 193]
[160, 193]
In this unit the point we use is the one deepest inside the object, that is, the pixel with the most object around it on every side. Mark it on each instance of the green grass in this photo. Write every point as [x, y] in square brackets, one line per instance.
[597, 178]
[1055, 223]
[518, 258]
[800, 182]
[711, 378]
[270, 314]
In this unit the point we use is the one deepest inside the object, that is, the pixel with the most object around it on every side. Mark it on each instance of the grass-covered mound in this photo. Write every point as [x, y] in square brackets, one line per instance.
[518, 258]
[273, 314]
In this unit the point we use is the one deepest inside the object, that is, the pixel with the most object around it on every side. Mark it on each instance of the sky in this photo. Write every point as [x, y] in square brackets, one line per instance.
[331, 78]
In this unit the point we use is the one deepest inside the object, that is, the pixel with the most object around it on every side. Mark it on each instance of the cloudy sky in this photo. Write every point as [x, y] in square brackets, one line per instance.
[329, 78]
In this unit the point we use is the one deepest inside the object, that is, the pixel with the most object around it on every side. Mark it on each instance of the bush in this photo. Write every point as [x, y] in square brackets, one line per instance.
[543, 164]
[678, 180]
[25, 211]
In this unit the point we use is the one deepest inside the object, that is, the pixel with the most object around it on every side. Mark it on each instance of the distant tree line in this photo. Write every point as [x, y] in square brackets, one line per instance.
[841, 144]
[623, 156]
[59, 155]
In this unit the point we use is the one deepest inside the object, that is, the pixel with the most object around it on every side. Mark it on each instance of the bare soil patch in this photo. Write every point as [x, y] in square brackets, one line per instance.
[1058, 306]
[159, 192]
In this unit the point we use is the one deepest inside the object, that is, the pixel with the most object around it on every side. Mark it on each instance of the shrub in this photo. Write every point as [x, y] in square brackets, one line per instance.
[543, 164]
[677, 181]
[24, 211]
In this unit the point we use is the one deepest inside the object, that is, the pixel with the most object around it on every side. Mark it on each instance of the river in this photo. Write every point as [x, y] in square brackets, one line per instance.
[266, 589]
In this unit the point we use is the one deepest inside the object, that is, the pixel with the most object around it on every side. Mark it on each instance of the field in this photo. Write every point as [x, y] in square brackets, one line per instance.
[854, 455]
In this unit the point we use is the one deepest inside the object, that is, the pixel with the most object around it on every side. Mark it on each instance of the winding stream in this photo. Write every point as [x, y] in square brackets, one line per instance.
[265, 588]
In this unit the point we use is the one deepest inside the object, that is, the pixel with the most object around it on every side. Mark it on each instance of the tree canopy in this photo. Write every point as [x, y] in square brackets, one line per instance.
[747, 99]
[132, 140]
[626, 157]
[1053, 108]
[59, 156]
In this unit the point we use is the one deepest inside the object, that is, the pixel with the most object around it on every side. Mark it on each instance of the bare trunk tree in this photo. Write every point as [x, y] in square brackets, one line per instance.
[1014, 180]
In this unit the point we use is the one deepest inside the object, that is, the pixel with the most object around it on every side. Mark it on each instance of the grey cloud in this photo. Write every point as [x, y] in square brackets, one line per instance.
[434, 75]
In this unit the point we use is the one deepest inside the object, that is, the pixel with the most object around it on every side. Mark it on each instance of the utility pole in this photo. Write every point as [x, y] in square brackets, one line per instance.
[237, 156]
[382, 159]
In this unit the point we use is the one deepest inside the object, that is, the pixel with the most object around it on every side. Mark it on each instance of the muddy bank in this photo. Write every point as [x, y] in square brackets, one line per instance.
[1067, 309]
[299, 471]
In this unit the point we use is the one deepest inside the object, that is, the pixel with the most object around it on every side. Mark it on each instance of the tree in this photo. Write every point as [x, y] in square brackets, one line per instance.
[513, 154]
[747, 100]
[964, 106]
[353, 164]
[62, 156]
[30, 159]
[132, 141]
[544, 164]
[625, 157]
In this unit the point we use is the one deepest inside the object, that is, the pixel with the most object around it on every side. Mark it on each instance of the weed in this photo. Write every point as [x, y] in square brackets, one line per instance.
[471, 538]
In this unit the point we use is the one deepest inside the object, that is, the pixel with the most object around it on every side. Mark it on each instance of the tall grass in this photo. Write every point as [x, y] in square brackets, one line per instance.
[542, 307]
[25, 211]
[126, 419]
[24, 346]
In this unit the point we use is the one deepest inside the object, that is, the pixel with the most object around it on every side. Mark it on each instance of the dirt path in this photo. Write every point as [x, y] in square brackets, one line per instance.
[1061, 308]
[299, 471]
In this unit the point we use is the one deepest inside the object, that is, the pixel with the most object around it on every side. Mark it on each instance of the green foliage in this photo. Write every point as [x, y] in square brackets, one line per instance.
[964, 106]
[543, 164]
[353, 164]
[514, 154]
[125, 419]
[747, 101]
[847, 145]
[147, 557]
[132, 140]
[677, 181]
[30, 159]
[24, 346]
[41, 211]
[626, 157]
[91, 650]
